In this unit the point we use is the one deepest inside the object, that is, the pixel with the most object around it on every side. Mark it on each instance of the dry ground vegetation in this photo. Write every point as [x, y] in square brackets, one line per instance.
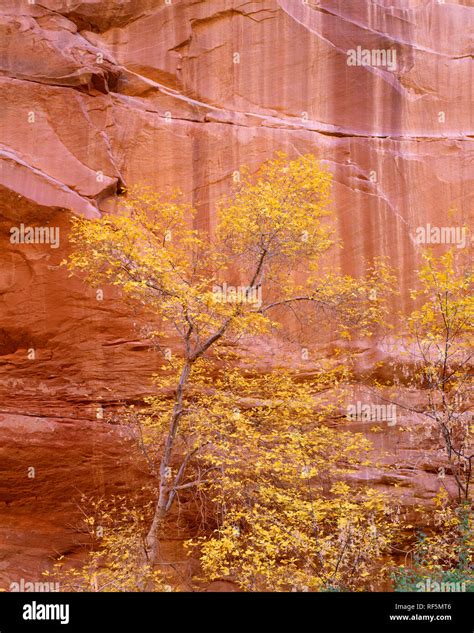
[265, 456]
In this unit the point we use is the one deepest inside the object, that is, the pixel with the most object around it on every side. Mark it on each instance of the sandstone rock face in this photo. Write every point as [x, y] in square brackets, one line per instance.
[101, 94]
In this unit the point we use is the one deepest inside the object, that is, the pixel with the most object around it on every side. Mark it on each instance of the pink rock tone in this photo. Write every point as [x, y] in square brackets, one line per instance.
[98, 95]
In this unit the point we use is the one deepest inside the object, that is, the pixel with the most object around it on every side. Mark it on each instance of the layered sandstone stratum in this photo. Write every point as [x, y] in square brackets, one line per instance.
[97, 95]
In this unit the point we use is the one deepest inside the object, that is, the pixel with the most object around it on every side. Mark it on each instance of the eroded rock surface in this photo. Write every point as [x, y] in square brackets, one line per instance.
[101, 94]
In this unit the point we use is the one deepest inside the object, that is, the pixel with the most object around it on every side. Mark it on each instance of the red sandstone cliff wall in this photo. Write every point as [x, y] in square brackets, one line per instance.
[100, 94]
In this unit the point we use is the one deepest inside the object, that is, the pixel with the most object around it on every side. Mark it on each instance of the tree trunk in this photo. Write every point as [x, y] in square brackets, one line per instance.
[164, 501]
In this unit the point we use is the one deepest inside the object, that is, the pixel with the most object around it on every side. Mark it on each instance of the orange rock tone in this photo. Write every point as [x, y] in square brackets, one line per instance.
[97, 95]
